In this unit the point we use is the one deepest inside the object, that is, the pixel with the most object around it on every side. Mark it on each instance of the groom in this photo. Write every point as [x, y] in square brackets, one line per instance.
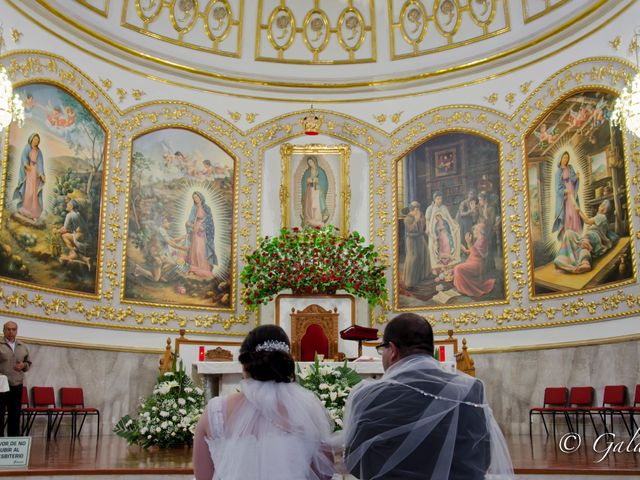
[418, 421]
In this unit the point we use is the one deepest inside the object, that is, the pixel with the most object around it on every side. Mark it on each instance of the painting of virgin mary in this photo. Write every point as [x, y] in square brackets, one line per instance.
[200, 238]
[314, 194]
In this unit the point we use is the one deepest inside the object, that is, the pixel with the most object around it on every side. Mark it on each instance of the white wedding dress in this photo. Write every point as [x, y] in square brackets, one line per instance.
[272, 431]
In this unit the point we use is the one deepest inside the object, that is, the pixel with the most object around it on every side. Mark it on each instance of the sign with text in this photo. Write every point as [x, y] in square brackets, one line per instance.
[14, 451]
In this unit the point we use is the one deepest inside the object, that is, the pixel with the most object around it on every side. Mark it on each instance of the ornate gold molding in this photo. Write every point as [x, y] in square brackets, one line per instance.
[337, 86]
[221, 21]
[410, 22]
[278, 33]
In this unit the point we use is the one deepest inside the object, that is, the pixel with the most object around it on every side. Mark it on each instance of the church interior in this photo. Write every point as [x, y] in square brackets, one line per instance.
[473, 144]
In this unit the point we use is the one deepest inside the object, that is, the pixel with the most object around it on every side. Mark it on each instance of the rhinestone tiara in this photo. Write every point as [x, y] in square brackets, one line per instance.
[273, 346]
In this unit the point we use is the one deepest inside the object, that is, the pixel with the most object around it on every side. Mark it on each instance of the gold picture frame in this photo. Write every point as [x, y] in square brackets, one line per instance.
[329, 177]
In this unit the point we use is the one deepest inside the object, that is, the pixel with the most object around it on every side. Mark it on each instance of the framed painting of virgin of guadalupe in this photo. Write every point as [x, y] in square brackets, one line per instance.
[315, 190]
[179, 221]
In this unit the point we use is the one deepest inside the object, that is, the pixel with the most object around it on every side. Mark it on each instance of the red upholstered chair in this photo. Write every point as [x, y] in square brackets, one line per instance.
[581, 403]
[614, 402]
[313, 341]
[25, 412]
[72, 402]
[555, 399]
[635, 408]
[44, 403]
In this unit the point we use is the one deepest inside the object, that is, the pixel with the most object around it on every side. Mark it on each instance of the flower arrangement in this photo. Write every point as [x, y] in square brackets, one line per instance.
[313, 260]
[168, 416]
[331, 385]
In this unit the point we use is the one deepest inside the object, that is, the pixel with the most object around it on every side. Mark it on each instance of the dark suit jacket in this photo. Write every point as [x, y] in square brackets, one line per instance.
[471, 455]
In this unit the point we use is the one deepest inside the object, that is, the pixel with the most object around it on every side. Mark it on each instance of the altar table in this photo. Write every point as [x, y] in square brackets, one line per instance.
[223, 378]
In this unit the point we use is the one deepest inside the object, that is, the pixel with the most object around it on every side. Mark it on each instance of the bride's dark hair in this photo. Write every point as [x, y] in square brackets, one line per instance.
[272, 363]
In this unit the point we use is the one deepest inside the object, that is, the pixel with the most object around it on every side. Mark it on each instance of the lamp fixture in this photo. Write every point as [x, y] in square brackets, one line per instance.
[627, 108]
[311, 122]
[11, 108]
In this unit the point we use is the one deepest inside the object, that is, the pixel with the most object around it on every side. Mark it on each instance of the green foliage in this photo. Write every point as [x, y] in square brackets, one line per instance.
[166, 417]
[313, 260]
[65, 184]
[331, 385]
[27, 239]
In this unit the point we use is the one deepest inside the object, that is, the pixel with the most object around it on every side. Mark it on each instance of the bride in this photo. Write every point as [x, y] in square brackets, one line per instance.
[272, 429]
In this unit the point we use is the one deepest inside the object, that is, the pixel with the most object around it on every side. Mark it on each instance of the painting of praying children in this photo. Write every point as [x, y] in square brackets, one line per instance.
[53, 189]
[180, 221]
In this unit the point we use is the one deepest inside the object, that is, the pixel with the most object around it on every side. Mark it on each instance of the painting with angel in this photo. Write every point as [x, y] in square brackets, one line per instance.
[180, 221]
[53, 186]
[578, 202]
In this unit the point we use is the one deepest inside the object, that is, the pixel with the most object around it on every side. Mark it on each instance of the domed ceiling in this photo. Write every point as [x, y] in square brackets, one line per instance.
[321, 44]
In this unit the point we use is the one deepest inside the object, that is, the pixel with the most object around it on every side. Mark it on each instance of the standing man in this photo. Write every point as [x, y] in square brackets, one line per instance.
[416, 259]
[14, 361]
[418, 421]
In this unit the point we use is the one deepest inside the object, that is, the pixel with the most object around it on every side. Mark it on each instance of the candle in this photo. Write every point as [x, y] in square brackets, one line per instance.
[441, 356]
[201, 354]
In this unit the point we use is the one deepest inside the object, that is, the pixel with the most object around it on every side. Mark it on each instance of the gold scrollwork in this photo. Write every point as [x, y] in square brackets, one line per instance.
[447, 17]
[353, 30]
[282, 19]
[317, 22]
[413, 12]
[219, 20]
[487, 6]
[148, 10]
[413, 20]
[351, 19]
[189, 11]
[220, 12]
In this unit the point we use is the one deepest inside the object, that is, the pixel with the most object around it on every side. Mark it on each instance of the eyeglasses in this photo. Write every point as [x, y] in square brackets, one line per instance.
[380, 348]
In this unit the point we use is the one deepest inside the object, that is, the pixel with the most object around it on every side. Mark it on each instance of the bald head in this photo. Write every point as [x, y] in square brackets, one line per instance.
[10, 330]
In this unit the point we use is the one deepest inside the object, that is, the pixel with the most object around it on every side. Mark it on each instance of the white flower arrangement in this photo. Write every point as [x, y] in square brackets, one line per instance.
[166, 417]
[330, 384]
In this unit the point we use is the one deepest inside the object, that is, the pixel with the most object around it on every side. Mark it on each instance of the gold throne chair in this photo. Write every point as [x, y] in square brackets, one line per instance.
[314, 330]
